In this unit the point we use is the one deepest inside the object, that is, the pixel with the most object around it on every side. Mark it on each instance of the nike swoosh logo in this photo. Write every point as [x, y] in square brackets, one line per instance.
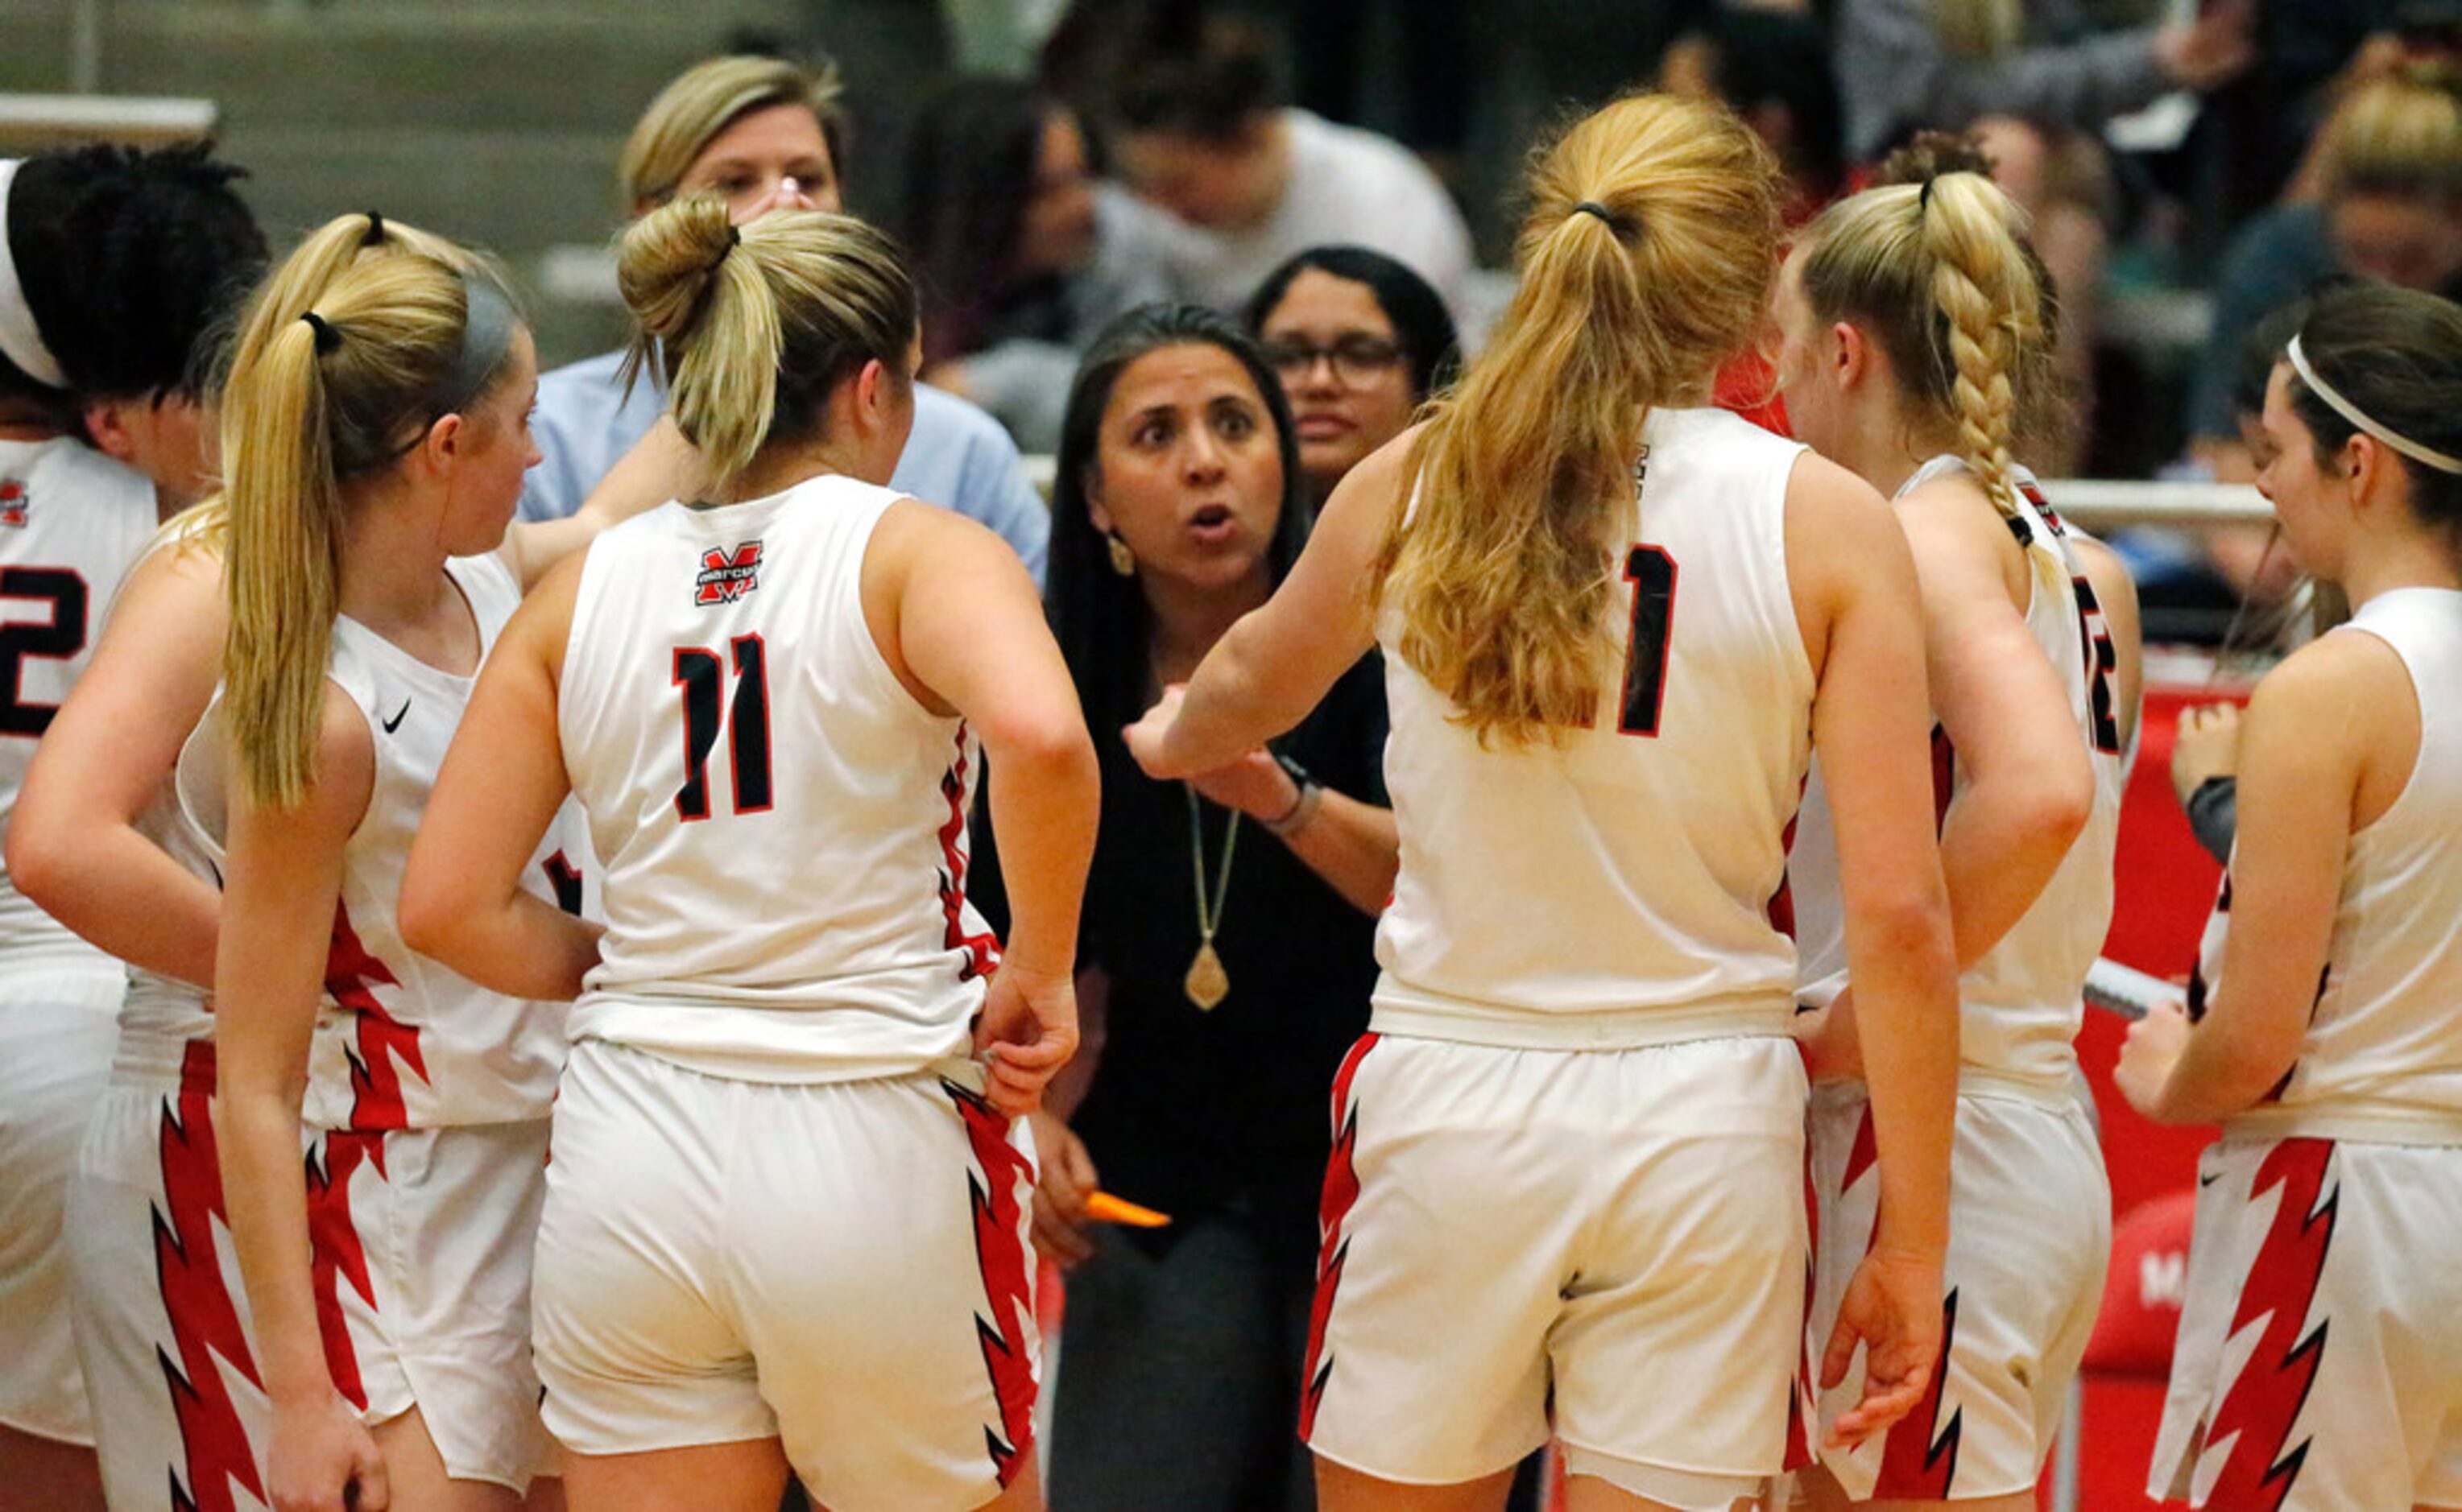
[2208, 1180]
[395, 723]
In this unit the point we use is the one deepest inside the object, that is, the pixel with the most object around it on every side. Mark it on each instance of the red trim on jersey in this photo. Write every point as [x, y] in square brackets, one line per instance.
[2261, 1405]
[351, 976]
[1341, 1191]
[205, 1323]
[1919, 1466]
[982, 950]
[998, 1198]
[335, 1252]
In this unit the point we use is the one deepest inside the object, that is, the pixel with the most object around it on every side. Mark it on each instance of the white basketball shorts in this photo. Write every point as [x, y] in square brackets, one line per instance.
[423, 1239]
[2029, 1239]
[2319, 1359]
[56, 1030]
[1617, 1233]
[840, 1265]
[162, 1319]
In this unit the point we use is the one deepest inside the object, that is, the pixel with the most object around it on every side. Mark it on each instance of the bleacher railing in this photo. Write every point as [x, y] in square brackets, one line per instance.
[2097, 503]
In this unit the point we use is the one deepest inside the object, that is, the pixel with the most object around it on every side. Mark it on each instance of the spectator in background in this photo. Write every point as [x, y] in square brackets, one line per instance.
[2389, 173]
[1021, 254]
[1226, 950]
[1195, 117]
[1771, 68]
[761, 132]
[1359, 342]
[1946, 64]
[2031, 79]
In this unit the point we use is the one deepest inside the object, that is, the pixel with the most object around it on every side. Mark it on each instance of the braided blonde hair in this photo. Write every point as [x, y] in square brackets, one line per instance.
[1941, 275]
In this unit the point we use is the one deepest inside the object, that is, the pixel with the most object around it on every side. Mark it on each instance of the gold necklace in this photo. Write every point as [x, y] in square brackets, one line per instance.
[1207, 984]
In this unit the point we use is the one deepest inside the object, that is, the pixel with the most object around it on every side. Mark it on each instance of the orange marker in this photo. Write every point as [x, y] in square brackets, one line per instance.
[1105, 1208]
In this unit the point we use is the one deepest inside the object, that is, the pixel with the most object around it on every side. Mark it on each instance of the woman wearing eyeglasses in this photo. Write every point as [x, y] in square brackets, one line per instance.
[1359, 342]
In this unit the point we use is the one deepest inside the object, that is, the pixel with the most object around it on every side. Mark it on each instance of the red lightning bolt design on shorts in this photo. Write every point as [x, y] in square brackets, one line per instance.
[205, 1322]
[1009, 1339]
[2261, 1405]
[1919, 1459]
[1341, 1191]
[384, 1045]
[983, 952]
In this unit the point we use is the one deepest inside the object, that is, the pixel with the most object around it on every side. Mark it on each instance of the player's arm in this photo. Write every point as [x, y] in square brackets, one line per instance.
[1280, 660]
[283, 878]
[74, 845]
[462, 901]
[952, 608]
[2029, 784]
[1856, 600]
[2303, 743]
[661, 465]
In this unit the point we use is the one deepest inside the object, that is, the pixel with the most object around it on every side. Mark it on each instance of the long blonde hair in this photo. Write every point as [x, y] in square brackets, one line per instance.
[1940, 272]
[307, 408]
[750, 327]
[1646, 261]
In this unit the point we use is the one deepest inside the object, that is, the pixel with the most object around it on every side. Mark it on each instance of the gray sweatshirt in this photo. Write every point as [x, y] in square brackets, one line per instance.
[1893, 72]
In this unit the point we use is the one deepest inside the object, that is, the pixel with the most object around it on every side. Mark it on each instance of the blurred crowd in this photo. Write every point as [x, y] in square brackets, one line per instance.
[2188, 169]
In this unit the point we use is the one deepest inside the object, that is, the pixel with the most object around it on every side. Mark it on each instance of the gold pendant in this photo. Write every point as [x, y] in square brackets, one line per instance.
[1206, 983]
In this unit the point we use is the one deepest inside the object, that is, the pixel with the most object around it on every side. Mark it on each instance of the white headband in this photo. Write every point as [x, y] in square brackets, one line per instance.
[2350, 411]
[21, 340]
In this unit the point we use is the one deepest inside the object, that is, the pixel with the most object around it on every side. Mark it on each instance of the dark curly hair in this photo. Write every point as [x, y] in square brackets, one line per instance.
[132, 263]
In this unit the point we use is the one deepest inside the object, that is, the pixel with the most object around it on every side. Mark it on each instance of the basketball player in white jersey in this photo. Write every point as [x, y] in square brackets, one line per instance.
[1918, 353]
[158, 1319]
[1568, 1175]
[135, 873]
[785, 1222]
[113, 262]
[2319, 1357]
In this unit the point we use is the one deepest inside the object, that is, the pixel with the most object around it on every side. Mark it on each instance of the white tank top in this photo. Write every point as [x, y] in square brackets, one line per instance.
[782, 825]
[2020, 1005]
[401, 1041]
[71, 521]
[2382, 1060]
[1614, 891]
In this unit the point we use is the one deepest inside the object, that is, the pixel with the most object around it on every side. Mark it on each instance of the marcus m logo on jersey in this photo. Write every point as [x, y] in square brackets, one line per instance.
[14, 504]
[726, 576]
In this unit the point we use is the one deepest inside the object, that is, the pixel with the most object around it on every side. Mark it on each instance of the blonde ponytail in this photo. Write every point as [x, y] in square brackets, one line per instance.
[750, 327]
[337, 373]
[1646, 261]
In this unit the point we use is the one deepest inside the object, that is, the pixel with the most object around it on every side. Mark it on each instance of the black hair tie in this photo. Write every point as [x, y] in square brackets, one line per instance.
[376, 232]
[1923, 196]
[1594, 207]
[328, 339]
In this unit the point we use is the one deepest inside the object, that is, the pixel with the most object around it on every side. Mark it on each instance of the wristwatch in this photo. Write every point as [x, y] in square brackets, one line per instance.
[1304, 807]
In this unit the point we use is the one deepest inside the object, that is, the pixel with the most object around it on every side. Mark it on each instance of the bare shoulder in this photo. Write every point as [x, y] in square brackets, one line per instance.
[543, 621]
[912, 532]
[1826, 495]
[2339, 675]
[1839, 529]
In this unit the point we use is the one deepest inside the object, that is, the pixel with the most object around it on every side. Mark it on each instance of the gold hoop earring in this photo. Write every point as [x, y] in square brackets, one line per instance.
[1124, 561]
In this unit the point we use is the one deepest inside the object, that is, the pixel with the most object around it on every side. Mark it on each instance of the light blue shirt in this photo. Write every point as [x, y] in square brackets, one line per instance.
[956, 455]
